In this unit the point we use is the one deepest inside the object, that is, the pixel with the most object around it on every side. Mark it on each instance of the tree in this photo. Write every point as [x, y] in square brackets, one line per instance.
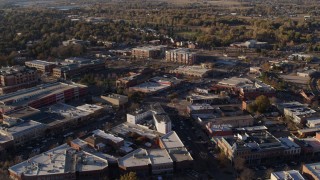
[239, 163]
[263, 103]
[222, 158]
[268, 173]
[129, 176]
[247, 174]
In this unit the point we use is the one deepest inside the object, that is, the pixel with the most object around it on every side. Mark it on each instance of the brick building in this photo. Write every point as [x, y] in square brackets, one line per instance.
[17, 77]
[181, 56]
[42, 95]
[42, 66]
[148, 52]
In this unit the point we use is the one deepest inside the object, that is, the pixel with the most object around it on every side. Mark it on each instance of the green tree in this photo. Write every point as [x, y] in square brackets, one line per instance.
[263, 103]
[129, 176]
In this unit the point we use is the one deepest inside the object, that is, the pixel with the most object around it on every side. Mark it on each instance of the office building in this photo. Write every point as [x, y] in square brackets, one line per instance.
[75, 66]
[42, 66]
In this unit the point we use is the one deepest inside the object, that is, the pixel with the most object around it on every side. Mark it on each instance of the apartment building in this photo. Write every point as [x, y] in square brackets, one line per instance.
[181, 56]
[148, 52]
[17, 77]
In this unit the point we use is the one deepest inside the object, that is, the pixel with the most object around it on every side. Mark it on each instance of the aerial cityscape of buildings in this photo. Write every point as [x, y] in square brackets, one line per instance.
[160, 90]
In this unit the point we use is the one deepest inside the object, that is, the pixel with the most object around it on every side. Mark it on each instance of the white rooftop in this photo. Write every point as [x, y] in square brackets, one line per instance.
[124, 128]
[104, 135]
[314, 168]
[20, 128]
[171, 140]
[200, 106]
[150, 87]
[58, 161]
[292, 175]
[235, 81]
[90, 108]
[159, 156]
[139, 157]
[68, 111]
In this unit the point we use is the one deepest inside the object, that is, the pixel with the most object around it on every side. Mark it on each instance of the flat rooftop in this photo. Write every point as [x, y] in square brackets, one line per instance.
[195, 107]
[91, 108]
[171, 140]
[296, 79]
[150, 87]
[139, 157]
[255, 141]
[25, 126]
[191, 70]
[117, 96]
[40, 62]
[159, 114]
[59, 160]
[5, 138]
[23, 112]
[14, 70]
[182, 50]
[68, 111]
[235, 81]
[149, 48]
[314, 168]
[286, 141]
[142, 157]
[124, 128]
[180, 154]
[291, 174]
[195, 96]
[25, 96]
[159, 156]
[160, 79]
[108, 136]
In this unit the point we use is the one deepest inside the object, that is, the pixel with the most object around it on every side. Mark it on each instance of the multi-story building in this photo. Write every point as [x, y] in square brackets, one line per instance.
[286, 175]
[17, 77]
[291, 148]
[246, 88]
[298, 112]
[192, 71]
[134, 78]
[172, 156]
[42, 95]
[159, 117]
[253, 146]
[116, 99]
[148, 52]
[74, 66]
[42, 66]
[181, 56]
[109, 139]
[20, 133]
[62, 162]
[311, 171]
[207, 98]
